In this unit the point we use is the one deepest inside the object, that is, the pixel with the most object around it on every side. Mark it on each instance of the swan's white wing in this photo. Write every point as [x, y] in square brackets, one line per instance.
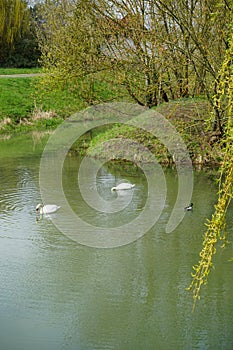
[124, 186]
[50, 208]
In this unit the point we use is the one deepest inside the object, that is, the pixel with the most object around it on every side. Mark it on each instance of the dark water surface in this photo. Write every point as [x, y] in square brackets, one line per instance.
[57, 294]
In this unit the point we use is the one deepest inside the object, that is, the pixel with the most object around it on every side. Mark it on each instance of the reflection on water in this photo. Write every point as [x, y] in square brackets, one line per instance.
[58, 294]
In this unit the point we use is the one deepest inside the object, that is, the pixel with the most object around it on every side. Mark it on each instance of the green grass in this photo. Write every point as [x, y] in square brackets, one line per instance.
[64, 103]
[16, 99]
[10, 71]
[23, 102]
[22, 105]
[19, 98]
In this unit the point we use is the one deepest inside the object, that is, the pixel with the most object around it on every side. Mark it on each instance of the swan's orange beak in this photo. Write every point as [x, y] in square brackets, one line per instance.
[37, 210]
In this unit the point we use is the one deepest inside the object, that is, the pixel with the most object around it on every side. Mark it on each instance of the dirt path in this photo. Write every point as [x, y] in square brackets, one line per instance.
[29, 75]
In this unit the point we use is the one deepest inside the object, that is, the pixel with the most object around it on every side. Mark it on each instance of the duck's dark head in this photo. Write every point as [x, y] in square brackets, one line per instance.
[190, 207]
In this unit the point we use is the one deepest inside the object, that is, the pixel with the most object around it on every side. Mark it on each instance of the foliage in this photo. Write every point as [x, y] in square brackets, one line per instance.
[187, 115]
[69, 45]
[157, 50]
[13, 20]
[216, 227]
[17, 35]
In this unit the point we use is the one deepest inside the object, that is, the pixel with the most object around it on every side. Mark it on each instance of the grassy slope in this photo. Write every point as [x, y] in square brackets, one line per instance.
[22, 110]
[19, 98]
[16, 98]
[189, 118]
[19, 104]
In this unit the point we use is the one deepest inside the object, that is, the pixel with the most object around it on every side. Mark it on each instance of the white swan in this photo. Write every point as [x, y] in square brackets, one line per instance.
[123, 186]
[46, 209]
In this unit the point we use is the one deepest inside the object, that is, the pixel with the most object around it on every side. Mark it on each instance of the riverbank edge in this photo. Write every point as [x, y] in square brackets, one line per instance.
[190, 117]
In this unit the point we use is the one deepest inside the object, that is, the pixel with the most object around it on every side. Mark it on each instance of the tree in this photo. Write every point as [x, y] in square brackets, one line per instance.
[25, 52]
[158, 50]
[197, 37]
[216, 227]
[14, 22]
[70, 46]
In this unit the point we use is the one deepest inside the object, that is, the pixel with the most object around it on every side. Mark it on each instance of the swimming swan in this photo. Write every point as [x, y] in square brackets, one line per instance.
[123, 186]
[46, 209]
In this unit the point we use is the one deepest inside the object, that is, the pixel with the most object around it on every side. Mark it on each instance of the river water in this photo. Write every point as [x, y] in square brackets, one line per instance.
[58, 294]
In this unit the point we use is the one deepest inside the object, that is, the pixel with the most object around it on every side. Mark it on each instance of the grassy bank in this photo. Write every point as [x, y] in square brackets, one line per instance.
[25, 104]
[22, 109]
[19, 111]
[191, 120]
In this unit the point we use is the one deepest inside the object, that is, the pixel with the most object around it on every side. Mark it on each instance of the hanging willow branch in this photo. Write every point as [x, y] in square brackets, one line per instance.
[216, 227]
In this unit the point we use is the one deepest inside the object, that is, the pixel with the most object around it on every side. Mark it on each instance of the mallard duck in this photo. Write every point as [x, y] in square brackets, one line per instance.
[123, 186]
[189, 207]
[46, 209]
